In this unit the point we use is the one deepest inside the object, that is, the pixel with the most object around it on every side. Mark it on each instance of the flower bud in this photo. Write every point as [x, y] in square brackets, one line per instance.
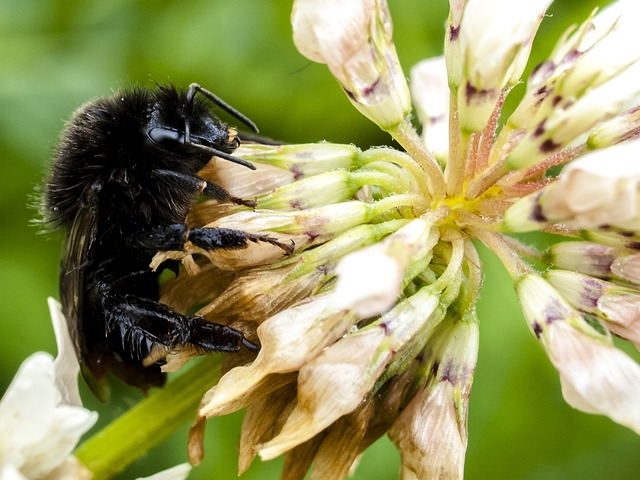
[303, 160]
[485, 54]
[596, 377]
[430, 93]
[618, 306]
[333, 187]
[569, 117]
[354, 40]
[627, 267]
[243, 182]
[593, 259]
[585, 58]
[599, 190]
[370, 280]
[317, 224]
[616, 130]
[431, 432]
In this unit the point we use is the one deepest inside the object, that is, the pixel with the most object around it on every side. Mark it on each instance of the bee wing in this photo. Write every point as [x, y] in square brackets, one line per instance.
[75, 257]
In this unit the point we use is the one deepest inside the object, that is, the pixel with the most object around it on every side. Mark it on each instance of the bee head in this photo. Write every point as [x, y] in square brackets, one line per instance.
[183, 125]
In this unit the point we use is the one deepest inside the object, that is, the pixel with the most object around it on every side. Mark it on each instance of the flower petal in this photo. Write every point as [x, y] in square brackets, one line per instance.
[431, 431]
[66, 364]
[354, 40]
[370, 280]
[430, 93]
[40, 431]
[487, 54]
[596, 377]
[599, 190]
[179, 472]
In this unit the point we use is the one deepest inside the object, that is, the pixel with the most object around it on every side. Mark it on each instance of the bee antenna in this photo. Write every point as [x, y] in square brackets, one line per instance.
[194, 88]
[224, 155]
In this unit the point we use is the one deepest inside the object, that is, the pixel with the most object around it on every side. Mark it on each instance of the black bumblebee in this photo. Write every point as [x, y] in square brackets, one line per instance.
[123, 179]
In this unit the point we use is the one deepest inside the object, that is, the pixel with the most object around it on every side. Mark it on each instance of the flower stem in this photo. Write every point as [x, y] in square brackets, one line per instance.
[515, 266]
[405, 135]
[457, 166]
[150, 422]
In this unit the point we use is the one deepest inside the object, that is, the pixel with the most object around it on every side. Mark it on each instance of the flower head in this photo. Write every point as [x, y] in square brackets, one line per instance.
[369, 324]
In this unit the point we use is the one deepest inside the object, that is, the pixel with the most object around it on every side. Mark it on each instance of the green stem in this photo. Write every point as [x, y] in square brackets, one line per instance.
[150, 422]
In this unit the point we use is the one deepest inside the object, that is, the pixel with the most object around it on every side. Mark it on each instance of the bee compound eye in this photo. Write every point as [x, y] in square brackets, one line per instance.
[165, 136]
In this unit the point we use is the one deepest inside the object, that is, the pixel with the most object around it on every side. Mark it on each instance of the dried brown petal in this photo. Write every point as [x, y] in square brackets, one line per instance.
[263, 420]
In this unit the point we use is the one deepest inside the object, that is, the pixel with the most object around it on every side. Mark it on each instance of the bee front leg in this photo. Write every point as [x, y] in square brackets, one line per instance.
[193, 184]
[173, 237]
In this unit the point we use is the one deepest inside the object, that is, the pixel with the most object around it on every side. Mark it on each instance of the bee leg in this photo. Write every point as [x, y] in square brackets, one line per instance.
[165, 238]
[142, 323]
[171, 180]
[216, 192]
[193, 184]
[173, 237]
[229, 239]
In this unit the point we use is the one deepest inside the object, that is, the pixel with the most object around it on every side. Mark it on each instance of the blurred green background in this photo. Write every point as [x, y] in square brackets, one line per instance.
[56, 54]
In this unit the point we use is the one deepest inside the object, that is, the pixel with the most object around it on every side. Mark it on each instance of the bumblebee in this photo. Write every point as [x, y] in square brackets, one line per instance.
[123, 179]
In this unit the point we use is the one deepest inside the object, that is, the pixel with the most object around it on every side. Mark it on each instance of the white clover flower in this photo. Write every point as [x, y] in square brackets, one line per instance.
[40, 427]
[369, 324]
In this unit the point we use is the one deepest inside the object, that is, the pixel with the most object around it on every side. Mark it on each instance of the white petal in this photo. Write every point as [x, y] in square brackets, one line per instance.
[610, 46]
[66, 427]
[491, 32]
[623, 315]
[331, 31]
[596, 377]
[179, 472]
[431, 432]
[27, 406]
[368, 282]
[495, 39]
[70, 469]
[39, 431]
[330, 386]
[354, 39]
[10, 472]
[428, 436]
[430, 93]
[627, 267]
[370, 279]
[66, 366]
[600, 188]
